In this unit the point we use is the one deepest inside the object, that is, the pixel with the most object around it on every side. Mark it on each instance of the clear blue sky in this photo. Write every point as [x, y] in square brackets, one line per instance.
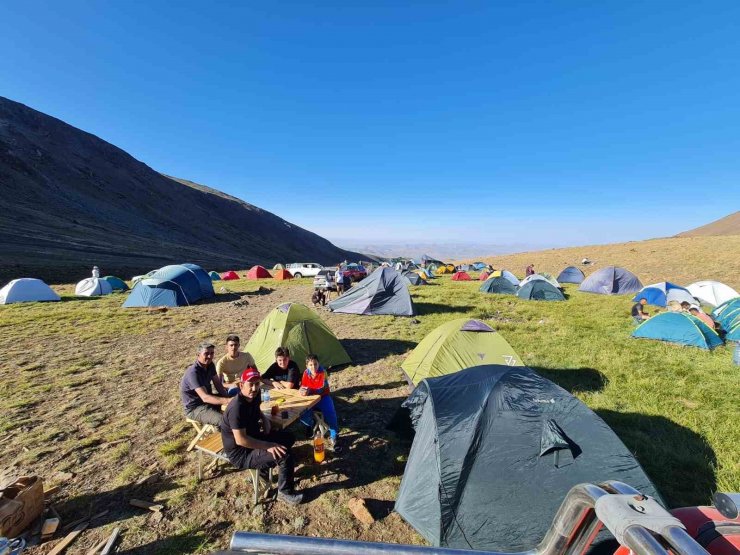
[544, 123]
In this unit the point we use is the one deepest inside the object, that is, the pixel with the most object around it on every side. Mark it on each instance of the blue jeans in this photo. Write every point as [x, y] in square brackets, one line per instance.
[326, 406]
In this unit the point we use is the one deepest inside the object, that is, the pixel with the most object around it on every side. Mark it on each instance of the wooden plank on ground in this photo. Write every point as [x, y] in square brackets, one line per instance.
[154, 507]
[68, 539]
[111, 540]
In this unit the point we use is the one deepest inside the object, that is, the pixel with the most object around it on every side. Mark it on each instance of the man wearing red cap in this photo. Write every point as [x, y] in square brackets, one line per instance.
[250, 443]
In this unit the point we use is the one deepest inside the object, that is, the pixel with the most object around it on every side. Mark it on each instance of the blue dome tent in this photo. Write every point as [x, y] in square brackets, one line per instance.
[174, 285]
[611, 280]
[659, 294]
[679, 328]
[571, 275]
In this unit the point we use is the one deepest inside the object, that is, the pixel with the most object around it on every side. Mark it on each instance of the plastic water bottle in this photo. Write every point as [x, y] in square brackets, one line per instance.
[736, 355]
[318, 447]
[265, 395]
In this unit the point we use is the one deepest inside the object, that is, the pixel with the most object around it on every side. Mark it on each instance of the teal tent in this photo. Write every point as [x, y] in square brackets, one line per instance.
[680, 328]
[214, 276]
[116, 283]
[499, 285]
[540, 290]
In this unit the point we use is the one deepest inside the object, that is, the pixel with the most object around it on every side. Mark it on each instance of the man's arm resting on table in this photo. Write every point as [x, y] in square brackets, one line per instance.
[212, 399]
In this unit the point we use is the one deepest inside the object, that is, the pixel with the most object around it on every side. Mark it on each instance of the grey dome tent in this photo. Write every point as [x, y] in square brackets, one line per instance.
[496, 450]
[571, 275]
[382, 292]
[611, 280]
[540, 290]
[499, 285]
[413, 278]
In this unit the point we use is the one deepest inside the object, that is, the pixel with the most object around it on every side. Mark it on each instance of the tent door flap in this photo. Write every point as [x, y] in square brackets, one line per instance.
[554, 440]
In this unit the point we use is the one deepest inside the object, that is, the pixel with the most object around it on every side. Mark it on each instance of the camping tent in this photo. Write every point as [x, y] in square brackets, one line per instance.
[460, 276]
[382, 292]
[205, 281]
[283, 274]
[727, 305]
[455, 345]
[173, 285]
[278, 267]
[611, 280]
[231, 274]
[660, 294]
[678, 327]
[441, 270]
[496, 450]
[214, 276]
[413, 278]
[27, 290]
[301, 330]
[450, 268]
[571, 274]
[423, 273]
[734, 333]
[727, 314]
[116, 283]
[508, 275]
[534, 277]
[712, 292]
[483, 276]
[464, 267]
[93, 287]
[258, 272]
[479, 265]
[499, 285]
[539, 290]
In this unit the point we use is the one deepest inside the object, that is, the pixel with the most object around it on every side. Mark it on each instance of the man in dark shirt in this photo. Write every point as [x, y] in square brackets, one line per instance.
[284, 372]
[250, 443]
[195, 388]
[638, 311]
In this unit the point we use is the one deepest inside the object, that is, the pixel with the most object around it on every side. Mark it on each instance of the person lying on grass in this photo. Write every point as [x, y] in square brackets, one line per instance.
[249, 441]
[283, 373]
[196, 394]
[315, 381]
[230, 366]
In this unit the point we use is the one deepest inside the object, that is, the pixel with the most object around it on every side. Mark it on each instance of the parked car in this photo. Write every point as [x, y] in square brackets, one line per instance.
[325, 279]
[356, 272]
[304, 269]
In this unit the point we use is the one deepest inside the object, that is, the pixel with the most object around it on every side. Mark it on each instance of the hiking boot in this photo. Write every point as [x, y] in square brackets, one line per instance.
[290, 498]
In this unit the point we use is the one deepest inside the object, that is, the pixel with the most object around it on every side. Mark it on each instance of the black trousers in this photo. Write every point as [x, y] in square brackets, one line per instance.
[244, 458]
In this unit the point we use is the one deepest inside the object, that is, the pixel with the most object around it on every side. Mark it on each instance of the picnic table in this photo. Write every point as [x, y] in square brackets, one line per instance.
[287, 400]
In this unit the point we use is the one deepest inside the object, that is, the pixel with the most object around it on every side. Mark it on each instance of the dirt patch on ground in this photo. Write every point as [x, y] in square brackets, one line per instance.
[106, 410]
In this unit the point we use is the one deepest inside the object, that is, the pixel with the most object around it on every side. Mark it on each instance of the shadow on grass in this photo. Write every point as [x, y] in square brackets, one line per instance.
[227, 297]
[679, 461]
[367, 351]
[574, 380]
[436, 308]
[173, 545]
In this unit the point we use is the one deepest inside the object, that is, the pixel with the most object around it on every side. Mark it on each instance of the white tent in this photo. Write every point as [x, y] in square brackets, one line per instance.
[27, 290]
[712, 292]
[533, 277]
[93, 287]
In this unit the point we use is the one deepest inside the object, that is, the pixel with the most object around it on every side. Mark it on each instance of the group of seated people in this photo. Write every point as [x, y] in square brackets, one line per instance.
[639, 314]
[248, 437]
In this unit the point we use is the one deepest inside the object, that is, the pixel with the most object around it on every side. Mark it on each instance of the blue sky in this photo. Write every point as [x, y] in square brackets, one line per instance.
[541, 123]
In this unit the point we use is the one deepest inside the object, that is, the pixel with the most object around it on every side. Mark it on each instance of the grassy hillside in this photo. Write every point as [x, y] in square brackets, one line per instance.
[681, 260]
[91, 389]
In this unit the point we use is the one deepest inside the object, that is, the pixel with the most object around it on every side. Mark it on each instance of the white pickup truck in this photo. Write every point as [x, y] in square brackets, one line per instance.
[304, 269]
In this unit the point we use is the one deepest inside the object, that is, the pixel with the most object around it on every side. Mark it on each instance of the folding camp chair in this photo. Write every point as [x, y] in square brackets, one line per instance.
[201, 430]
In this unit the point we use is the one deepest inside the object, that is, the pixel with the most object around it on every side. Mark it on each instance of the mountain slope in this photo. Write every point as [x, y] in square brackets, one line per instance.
[70, 200]
[729, 225]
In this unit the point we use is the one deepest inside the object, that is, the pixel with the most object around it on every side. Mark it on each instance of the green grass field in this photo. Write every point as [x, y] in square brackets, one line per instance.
[90, 388]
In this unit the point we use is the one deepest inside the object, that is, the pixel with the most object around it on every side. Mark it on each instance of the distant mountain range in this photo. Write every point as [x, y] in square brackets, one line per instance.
[441, 251]
[70, 200]
[729, 225]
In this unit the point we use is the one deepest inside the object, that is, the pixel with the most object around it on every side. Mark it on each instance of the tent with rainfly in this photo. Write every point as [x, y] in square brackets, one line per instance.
[93, 287]
[413, 278]
[571, 274]
[461, 276]
[382, 292]
[544, 277]
[660, 294]
[483, 276]
[713, 293]
[498, 285]
[283, 275]
[680, 328]
[116, 283]
[496, 450]
[204, 280]
[734, 333]
[455, 345]
[727, 314]
[230, 275]
[173, 285]
[302, 331]
[505, 274]
[27, 290]
[214, 276]
[258, 272]
[611, 280]
[539, 290]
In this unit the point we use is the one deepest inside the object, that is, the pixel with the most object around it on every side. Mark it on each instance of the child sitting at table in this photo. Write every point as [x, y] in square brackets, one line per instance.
[315, 381]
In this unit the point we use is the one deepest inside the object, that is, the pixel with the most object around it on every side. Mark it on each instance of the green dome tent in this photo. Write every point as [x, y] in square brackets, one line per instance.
[214, 276]
[301, 330]
[455, 345]
[499, 285]
[539, 290]
[116, 283]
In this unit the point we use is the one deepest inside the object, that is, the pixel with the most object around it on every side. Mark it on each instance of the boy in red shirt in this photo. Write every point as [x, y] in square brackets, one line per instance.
[316, 382]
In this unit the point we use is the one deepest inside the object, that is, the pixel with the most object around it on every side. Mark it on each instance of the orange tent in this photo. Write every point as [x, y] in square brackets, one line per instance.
[283, 274]
[231, 274]
[258, 272]
[460, 276]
